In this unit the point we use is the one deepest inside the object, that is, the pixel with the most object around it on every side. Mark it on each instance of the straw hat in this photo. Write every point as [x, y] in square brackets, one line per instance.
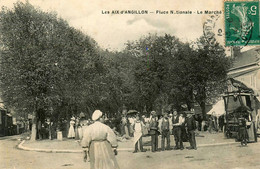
[153, 112]
[96, 115]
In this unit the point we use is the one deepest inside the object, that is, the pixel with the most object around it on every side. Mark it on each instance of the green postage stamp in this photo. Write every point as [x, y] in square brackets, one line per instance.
[241, 23]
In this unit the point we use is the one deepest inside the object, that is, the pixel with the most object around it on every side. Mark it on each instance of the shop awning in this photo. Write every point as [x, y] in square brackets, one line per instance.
[218, 109]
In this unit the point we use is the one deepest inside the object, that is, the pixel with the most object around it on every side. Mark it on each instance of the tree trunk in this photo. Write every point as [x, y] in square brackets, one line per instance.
[34, 130]
[50, 129]
[203, 109]
[189, 105]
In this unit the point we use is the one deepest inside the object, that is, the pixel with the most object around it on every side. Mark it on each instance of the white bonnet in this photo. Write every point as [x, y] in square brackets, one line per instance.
[96, 115]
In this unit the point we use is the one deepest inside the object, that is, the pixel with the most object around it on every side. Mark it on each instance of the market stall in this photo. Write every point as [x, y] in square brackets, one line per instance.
[240, 102]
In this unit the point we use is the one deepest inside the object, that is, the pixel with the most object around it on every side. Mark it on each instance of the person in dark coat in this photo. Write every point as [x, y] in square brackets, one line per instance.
[184, 134]
[177, 122]
[191, 127]
[199, 120]
[242, 132]
[154, 131]
[221, 123]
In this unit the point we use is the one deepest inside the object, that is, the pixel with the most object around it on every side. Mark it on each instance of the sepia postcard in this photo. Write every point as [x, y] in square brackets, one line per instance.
[129, 84]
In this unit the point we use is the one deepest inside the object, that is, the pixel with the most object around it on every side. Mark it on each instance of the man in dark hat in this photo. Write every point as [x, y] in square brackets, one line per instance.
[177, 122]
[191, 127]
[154, 131]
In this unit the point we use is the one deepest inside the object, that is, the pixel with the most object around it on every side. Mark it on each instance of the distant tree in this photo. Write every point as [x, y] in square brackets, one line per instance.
[153, 76]
[45, 63]
[180, 75]
[169, 72]
[202, 71]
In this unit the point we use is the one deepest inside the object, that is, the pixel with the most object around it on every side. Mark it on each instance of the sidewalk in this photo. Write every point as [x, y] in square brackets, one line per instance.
[204, 139]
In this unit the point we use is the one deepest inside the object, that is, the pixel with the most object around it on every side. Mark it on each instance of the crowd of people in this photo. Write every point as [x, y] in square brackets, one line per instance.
[181, 125]
[77, 127]
[99, 141]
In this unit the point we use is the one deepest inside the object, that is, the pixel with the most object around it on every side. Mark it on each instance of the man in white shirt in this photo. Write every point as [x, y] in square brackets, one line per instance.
[170, 119]
[177, 122]
[164, 128]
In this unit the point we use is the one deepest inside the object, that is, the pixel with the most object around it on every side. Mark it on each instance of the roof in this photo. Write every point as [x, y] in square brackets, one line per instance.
[246, 58]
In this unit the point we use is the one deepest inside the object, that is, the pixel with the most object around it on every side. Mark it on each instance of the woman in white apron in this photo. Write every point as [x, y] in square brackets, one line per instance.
[71, 133]
[100, 141]
[138, 127]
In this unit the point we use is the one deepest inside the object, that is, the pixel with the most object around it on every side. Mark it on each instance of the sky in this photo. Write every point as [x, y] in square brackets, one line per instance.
[112, 31]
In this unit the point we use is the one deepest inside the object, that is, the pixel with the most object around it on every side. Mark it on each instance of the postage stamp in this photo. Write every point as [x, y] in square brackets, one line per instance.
[241, 23]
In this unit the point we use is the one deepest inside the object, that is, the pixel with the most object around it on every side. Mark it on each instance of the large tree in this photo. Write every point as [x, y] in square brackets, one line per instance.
[153, 76]
[120, 79]
[172, 73]
[209, 68]
[200, 72]
[45, 63]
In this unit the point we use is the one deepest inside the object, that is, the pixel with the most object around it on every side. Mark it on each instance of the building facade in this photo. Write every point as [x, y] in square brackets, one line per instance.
[246, 67]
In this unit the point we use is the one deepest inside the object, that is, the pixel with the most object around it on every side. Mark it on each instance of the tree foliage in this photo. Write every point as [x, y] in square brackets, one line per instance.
[153, 76]
[45, 63]
[50, 68]
[172, 73]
